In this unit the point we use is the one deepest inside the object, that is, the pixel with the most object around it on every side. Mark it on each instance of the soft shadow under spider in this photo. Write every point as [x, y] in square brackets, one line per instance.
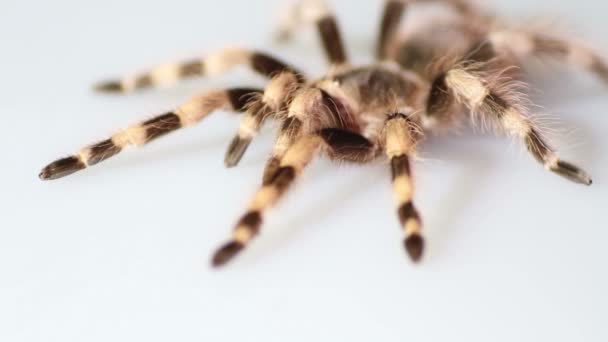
[312, 216]
[210, 146]
[475, 168]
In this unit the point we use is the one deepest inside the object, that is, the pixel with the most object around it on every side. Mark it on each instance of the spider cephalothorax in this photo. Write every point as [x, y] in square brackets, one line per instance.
[425, 78]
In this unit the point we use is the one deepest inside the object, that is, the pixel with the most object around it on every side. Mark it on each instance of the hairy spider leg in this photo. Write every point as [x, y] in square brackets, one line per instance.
[213, 64]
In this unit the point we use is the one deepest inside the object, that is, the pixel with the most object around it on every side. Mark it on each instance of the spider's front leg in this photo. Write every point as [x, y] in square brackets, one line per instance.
[300, 115]
[400, 142]
[299, 155]
[499, 104]
[338, 143]
[235, 99]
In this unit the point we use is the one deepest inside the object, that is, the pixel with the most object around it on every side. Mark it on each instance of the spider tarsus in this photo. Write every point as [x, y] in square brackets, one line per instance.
[109, 87]
[414, 245]
[226, 253]
[61, 168]
[236, 150]
[572, 173]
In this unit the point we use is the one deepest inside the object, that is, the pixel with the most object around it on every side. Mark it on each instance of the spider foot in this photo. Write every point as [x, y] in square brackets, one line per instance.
[109, 87]
[226, 253]
[61, 168]
[236, 150]
[571, 172]
[414, 245]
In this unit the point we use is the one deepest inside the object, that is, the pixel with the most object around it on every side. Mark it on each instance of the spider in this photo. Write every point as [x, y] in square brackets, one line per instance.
[460, 65]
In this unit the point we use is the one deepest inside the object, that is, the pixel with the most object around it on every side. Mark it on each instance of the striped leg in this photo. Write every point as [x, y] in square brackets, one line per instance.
[250, 126]
[525, 44]
[316, 12]
[339, 144]
[195, 110]
[289, 132]
[214, 64]
[501, 106]
[391, 18]
[310, 110]
[279, 92]
[305, 102]
[399, 145]
[342, 145]
[394, 11]
[292, 164]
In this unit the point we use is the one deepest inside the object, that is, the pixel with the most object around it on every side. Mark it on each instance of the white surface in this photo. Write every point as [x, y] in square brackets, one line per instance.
[120, 252]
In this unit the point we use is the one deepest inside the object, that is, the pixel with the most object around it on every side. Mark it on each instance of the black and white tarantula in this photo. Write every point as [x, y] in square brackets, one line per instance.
[428, 77]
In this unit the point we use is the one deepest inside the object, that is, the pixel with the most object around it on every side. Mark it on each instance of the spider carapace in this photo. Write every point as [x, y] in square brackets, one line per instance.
[462, 64]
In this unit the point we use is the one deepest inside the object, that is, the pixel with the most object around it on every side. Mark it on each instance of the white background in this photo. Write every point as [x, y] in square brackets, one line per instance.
[120, 252]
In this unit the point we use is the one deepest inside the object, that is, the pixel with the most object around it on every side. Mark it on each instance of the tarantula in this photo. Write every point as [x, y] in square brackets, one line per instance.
[430, 76]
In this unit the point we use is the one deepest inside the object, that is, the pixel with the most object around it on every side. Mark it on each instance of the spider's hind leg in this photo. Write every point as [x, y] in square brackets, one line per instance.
[318, 12]
[532, 44]
[215, 63]
[195, 110]
[394, 11]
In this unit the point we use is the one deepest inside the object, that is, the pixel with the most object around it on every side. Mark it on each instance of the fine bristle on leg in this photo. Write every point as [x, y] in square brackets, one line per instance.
[500, 106]
[214, 64]
[399, 145]
[139, 134]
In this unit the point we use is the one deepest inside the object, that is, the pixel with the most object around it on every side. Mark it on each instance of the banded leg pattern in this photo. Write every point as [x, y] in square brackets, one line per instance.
[278, 94]
[491, 104]
[332, 39]
[235, 99]
[391, 18]
[289, 132]
[305, 103]
[214, 64]
[291, 165]
[524, 44]
[306, 12]
[395, 9]
[250, 126]
[400, 144]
